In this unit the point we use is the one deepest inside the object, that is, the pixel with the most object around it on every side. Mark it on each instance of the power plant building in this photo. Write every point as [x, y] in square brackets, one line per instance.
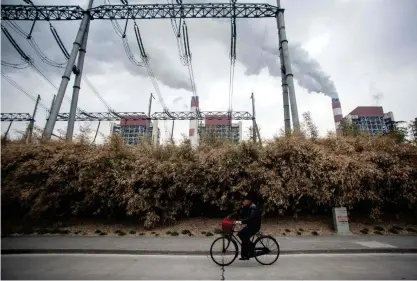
[371, 119]
[134, 131]
[221, 127]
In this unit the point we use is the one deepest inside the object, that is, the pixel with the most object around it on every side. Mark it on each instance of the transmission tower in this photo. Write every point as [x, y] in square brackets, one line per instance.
[232, 10]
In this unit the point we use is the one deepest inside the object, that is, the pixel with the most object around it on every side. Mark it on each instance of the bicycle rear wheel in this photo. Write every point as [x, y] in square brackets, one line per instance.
[266, 250]
[224, 251]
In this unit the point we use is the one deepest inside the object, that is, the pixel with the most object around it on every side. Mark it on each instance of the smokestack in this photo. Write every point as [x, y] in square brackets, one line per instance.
[193, 132]
[337, 113]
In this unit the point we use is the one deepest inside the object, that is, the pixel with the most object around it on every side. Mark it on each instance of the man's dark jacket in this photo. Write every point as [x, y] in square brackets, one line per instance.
[251, 216]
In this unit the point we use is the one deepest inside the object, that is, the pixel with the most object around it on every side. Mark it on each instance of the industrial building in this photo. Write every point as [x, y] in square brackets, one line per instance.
[371, 119]
[222, 127]
[133, 131]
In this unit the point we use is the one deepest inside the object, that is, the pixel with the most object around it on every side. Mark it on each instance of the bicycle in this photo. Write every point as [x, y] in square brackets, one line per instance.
[228, 239]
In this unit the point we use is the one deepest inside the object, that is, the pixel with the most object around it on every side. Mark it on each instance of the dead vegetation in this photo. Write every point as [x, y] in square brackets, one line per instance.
[294, 175]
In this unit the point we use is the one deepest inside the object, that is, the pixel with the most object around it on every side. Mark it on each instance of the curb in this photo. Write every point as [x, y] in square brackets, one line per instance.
[201, 253]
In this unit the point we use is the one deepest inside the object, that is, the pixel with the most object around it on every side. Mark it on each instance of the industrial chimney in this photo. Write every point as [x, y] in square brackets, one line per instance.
[337, 113]
[193, 132]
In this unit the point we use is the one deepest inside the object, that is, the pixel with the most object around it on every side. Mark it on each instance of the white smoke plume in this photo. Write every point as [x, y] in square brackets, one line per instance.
[255, 52]
[307, 71]
[309, 74]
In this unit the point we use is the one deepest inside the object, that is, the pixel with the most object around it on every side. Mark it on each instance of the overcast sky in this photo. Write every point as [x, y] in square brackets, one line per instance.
[353, 48]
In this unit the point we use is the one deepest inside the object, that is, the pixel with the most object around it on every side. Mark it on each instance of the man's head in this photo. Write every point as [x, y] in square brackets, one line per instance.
[247, 201]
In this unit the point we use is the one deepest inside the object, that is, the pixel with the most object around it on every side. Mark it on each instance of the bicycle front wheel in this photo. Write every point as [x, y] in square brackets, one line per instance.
[266, 250]
[224, 251]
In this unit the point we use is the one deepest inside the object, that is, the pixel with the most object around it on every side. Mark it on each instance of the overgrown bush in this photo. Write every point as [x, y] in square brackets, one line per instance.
[56, 180]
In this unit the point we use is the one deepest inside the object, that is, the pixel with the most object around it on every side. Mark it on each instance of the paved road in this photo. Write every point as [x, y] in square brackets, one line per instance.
[299, 266]
[199, 245]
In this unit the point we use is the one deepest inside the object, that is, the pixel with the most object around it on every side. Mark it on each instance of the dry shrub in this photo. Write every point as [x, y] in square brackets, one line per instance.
[57, 179]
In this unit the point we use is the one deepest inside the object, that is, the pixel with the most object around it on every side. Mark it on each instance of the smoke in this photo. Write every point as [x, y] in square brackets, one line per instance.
[255, 52]
[307, 71]
[179, 100]
[309, 74]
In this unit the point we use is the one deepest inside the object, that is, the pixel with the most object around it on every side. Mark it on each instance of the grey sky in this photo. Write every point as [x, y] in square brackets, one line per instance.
[340, 46]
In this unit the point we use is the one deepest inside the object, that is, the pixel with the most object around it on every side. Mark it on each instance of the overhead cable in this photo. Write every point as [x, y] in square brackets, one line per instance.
[149, 69]
[189, 58]
[145, 59]
[15, 65]
[34, 45]
[48, 61]
[59, 41]
[96, 92]
[30, 61]
[176, 28]
[25, 57]
[17, 86]
[118, 29]
[183, 44]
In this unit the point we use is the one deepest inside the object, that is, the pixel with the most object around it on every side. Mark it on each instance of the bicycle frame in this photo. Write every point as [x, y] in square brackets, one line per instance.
[236, 238]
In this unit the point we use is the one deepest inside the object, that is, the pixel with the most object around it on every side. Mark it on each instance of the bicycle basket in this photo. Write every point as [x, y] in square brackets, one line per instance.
[227, 226]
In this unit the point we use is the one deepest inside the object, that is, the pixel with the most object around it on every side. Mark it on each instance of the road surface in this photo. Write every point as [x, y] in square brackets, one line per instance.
[297, 266]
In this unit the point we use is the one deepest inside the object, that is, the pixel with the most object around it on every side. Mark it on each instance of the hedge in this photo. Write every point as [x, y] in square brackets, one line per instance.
[57, 180]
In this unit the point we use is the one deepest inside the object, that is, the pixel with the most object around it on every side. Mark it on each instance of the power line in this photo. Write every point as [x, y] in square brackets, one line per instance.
[34, 45]
[176, 28]
[48, 61]
[145, 58]
[125, 41]
[30, 61]
[59, 41]
[86, 80]
[15, 65]
[20, 88]
[184, 48]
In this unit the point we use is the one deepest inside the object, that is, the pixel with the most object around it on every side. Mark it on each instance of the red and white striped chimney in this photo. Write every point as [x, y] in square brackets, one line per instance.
[193, 131]
[337, 113]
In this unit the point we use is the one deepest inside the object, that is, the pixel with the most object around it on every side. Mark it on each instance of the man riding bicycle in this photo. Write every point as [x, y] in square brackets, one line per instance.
[251, 217]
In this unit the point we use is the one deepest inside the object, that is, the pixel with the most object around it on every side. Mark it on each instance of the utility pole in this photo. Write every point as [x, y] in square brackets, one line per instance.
[50, 124]
[172, 131]
[257, 132]
[148, 123]
[253, 119]
[32, 122]
[8, 129]
[283, 43]
[98, 127]
[49, 113]
[77, 85]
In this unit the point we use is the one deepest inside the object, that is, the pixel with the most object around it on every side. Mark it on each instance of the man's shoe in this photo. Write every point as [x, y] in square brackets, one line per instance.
[244, 259]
